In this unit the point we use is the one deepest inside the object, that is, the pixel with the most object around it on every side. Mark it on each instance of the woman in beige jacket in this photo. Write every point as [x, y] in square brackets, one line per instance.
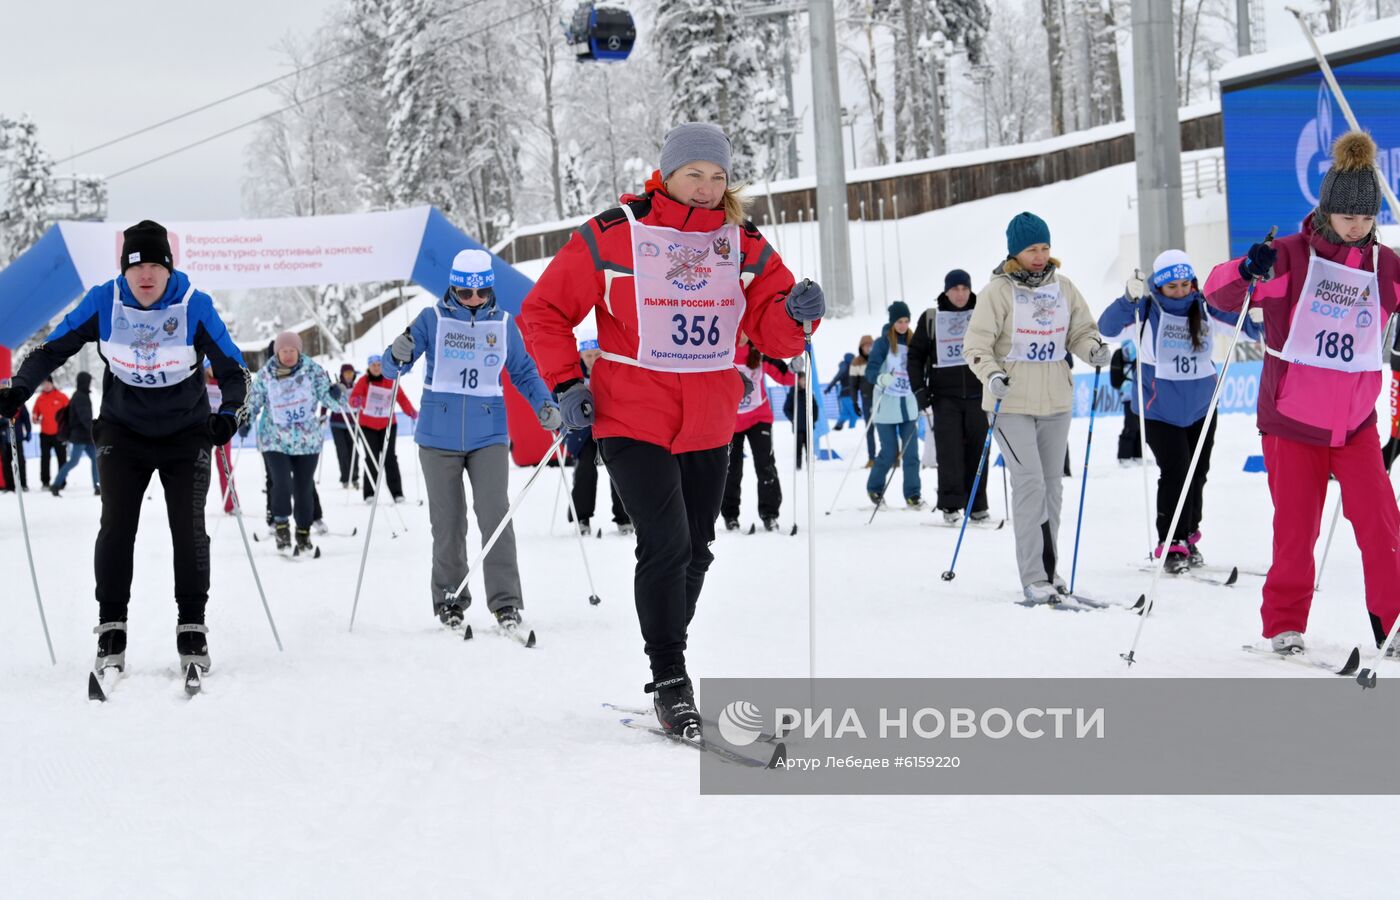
[1028, 320]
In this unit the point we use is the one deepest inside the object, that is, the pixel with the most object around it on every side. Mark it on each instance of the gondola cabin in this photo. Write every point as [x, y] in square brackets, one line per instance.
[601, 33]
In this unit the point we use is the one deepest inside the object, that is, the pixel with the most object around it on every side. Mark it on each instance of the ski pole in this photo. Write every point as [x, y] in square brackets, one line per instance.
[1147, 599]
[1327, 548]
[1142, 431]
[897, 464]
[972, 495]
[554, 511]
[374, 508]
[24, 526]
[248, 548]
[852, 464]
[593, 597]
[510, 514]
[1084, 477]
[811, 520]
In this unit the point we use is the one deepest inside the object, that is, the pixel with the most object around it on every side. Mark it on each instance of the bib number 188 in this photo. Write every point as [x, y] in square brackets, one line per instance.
[692, 331]
[1333, 345]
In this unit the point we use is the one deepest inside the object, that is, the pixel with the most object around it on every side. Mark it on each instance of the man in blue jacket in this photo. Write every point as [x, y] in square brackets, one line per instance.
[153, 330]
[468, 340]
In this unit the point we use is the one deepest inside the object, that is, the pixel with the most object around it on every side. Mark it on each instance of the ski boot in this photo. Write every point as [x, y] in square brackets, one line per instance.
[953, 516]
[675, 703]
[304, 546]
[282, 533]
[451, 613]
[625, 528]
[192, 645]
[875, 498]
[731, 524]
[982, 518]
[1040, 592]
[1178, 558]
[584, 528]
[1287, 643]
[111, 646]
[914, 502]
[320, 527]
[1060, 587]
[1194, 556]
[770, 523]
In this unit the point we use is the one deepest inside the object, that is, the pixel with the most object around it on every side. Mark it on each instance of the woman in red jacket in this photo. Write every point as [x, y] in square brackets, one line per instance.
[673, 276]
[1326, 294]
[754, 422]
[372, 397]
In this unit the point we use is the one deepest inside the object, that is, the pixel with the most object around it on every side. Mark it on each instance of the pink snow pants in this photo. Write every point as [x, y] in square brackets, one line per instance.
[1298, 482]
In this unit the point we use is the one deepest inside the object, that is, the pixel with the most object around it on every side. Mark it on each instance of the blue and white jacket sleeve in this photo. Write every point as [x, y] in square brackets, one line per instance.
[1251, 330]
[81, 326]
[523, 372]
[876, 363]
[1119, 317]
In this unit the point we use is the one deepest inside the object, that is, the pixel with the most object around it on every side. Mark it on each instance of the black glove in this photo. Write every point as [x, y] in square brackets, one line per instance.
[921, 397]
[1259, 262]
[222, 428]
[244, 429]
[11, 399]
[748, 385]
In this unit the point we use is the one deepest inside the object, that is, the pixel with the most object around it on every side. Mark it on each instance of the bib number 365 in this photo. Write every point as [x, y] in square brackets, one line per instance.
[693, 331]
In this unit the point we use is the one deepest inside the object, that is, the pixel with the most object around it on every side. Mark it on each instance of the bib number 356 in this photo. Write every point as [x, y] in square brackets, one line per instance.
[693, 331]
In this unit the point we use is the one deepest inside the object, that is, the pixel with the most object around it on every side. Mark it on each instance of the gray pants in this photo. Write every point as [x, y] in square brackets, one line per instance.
[447, 511]
[1034, 450]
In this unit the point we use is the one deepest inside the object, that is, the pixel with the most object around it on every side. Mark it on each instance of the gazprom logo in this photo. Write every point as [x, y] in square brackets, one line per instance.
[1314, 153]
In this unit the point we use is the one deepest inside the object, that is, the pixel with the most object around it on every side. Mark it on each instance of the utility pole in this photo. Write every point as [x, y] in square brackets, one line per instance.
[787, 88]
[1157, 138]
[1242, 41]
[831, 171]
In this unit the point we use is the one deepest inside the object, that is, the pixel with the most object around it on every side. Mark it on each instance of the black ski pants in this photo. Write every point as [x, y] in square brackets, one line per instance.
[770, 492]
[49, 443]
[126, 461]
[293, 486]
[1173, 446]
[374, 437]
[585, 489]
[345, 453]
[959, 432]
[674, 500]
[1130, 438]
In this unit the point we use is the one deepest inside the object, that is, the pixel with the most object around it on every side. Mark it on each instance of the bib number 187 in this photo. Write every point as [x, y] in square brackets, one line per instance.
[693, 331]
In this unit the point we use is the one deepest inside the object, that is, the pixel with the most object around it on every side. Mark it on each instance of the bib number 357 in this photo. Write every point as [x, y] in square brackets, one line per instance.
[693, 331]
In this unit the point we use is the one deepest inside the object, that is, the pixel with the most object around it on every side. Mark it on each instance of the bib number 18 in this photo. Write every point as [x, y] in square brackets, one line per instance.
[693, 331]
[469, 378]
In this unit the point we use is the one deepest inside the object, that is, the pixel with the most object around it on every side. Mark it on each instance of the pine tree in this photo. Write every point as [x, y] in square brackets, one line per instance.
[28, 175]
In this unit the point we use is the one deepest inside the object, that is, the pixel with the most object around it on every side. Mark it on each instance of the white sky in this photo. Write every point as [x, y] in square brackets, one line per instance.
[88, 72]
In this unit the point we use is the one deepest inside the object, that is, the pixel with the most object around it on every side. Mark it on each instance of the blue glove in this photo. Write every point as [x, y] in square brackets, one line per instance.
[576, 407]
[1259, 262]
[805, 302]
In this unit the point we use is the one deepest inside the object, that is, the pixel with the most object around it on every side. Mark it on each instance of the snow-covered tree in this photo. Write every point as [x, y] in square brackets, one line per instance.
[26, 174]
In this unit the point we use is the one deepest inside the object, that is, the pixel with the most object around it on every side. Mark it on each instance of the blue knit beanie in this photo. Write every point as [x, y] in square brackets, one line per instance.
[898, 310]
[1025, 230]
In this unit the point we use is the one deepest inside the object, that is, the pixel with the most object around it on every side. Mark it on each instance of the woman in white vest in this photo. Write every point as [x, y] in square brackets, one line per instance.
[1028, 320]
[469, 341]
[896, 412]
[287, 391]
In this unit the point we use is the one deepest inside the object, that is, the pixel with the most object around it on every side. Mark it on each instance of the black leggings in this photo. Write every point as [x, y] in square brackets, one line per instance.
[673, 500]
[1173, 446]
[293, 484]
[346, 453]
[770, 491]
[125, 463]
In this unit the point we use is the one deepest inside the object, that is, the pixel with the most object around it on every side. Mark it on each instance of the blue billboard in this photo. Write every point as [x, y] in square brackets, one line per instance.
[1279, 127]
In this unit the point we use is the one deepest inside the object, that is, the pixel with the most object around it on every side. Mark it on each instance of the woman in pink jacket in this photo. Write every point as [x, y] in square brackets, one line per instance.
[1326, 294]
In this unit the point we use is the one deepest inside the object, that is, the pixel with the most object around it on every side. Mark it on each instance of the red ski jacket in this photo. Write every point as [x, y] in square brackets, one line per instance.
[360, 393]
[681, 412]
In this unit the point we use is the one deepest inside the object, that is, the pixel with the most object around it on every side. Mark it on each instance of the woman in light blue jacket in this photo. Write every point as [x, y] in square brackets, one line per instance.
[287, 392]
[468, 341]
[896, 410]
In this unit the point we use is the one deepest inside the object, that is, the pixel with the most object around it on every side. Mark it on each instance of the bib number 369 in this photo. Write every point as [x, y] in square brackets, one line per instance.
[693, 331]
[1333, 345]
[1041, 352]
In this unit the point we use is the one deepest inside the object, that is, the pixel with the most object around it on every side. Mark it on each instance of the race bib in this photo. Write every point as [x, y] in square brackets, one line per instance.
[897, 364]
[756, 397]
[292, 400]
[951, 328]
[1174, 354]
[1040, 324]
[468, 357]
[1337, 323]
[690, 299]
[379, 402]
[149, 347]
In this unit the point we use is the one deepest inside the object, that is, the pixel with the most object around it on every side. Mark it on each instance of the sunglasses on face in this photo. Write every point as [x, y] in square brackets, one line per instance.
[468, 293]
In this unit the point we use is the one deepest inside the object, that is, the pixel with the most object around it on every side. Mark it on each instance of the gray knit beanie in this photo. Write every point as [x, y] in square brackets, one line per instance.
[692, 141]
[1350, 187]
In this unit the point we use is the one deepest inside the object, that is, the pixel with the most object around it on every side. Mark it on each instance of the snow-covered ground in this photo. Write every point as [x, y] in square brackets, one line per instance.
[398, 761]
